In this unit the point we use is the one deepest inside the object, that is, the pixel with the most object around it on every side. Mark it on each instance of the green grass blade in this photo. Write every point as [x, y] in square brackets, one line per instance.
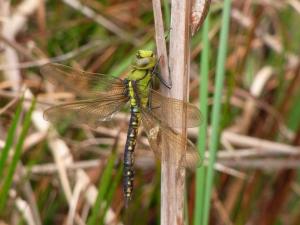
[16, 157]
[216, 111]
[200, 174]
[10, 137]
[102, 190]
[111, 192]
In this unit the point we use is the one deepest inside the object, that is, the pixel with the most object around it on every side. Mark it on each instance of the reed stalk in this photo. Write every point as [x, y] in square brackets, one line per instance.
[172, 174]
[216, 110]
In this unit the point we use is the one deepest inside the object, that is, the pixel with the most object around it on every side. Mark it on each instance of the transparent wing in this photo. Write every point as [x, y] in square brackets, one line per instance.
[160, 136]
[90, 111]
[80, 82]
[100, 96]
[162, 106]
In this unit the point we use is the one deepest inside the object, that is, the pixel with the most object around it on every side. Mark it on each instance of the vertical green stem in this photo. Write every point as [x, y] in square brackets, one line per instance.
[10, 137]
[200, 174]
[104, 186]
[167, 13]
[216, 111]
[16, 157]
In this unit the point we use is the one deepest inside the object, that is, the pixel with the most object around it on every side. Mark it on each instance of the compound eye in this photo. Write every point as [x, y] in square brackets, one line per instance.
[142, 62]
[139, 54]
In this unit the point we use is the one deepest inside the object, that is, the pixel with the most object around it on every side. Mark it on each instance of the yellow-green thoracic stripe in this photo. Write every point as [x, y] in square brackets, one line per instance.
[137, 86]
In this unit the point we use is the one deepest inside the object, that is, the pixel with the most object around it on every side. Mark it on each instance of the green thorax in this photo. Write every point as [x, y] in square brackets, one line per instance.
[141, 73]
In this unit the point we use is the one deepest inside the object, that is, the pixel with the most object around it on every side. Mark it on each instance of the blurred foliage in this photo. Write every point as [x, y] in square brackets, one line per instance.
[262, 34]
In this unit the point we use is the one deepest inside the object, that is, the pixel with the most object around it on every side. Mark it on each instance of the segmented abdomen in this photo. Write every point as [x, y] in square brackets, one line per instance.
[129, 151]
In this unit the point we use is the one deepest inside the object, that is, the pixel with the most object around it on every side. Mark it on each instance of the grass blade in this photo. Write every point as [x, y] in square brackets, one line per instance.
[10, 137]
[111, 191]
[216, 110]
[16, 157]
[200, 174]
[102, 190]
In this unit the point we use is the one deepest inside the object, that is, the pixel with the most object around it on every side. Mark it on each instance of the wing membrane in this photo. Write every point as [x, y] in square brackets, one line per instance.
[162, 107]
[100, 96]
[90, 111]
[160, 136]
[80, 82]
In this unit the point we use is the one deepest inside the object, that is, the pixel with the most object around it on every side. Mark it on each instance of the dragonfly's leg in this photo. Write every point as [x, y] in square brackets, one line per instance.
[149, 94]
[168, 83]
[155, 71]
[150, 107]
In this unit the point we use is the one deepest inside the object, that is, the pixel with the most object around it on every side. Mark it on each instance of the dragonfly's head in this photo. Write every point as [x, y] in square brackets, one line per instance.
[144, 60]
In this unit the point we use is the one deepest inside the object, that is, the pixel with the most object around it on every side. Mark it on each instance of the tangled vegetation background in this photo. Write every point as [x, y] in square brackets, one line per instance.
[73, 174]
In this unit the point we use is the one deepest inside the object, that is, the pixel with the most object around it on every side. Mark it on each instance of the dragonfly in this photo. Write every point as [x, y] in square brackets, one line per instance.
[100, 96]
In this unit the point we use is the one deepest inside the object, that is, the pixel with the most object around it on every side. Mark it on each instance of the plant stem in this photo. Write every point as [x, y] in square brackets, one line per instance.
[216, 111]
[173, 175]
[200, 174]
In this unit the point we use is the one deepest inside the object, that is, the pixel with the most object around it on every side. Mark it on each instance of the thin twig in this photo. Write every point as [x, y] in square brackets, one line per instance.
[266, 38]
[63, 159]
[80, 186]
[256, 90]
[24, 209]
[267, 164]
[8, 105]
[19, 48]
[11, 26]
[246, 141]
[225, 218]
[90, 13]
[31, 198]
[64, 57]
